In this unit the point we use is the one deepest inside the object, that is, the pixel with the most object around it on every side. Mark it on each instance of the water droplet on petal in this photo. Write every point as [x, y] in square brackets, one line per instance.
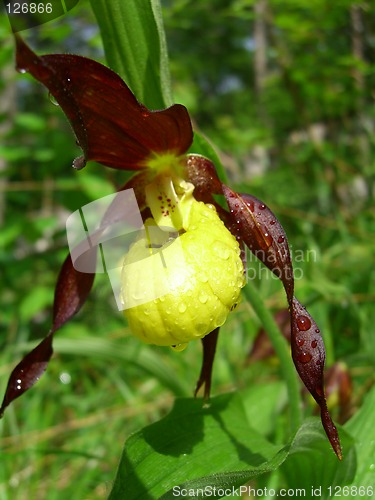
[272, 222]
[317, 330]
[250, 204]
[304, 357]
[281, 239]
[300, 342]
[202, 277]
[182, 307]
[262, 206]
[22, 70]
[303, 323]
[179, 347]
[221, 250]
[203, 297]
[52, 99]
[314, 343]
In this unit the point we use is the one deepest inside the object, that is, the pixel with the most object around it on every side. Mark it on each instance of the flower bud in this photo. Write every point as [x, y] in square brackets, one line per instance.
[194, 275]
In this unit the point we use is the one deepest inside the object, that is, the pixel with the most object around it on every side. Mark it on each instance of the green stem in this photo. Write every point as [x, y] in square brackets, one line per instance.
[282, 350]
[135, 47]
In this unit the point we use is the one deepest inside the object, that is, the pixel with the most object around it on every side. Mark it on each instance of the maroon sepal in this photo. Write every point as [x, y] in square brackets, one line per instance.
[259, 228]
[72, 290]
[71, 293]
[209, 343]
[111, 127]
[309, 356]
[28, 371]
[202, 173]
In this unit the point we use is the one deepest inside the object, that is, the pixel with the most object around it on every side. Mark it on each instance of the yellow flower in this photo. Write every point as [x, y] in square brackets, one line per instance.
[191, 265]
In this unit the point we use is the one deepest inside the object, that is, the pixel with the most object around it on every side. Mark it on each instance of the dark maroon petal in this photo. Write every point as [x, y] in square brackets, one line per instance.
[72, 290]
[309, 356]
[202, 173]
[71, 293]
[209, 348]
[258, 227]
[28, 371]
[110, 125]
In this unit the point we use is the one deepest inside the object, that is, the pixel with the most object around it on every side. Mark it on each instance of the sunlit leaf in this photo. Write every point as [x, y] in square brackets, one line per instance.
[311, 465]
[361, 427]
[191, 442]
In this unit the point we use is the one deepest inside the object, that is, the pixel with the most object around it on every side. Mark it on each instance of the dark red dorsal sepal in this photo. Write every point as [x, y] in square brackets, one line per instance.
[110, 125]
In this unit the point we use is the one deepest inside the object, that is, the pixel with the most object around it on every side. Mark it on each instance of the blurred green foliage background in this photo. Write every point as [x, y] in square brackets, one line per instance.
[285, 92]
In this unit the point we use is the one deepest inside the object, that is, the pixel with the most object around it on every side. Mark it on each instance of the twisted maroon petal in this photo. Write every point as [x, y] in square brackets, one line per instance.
[110, 125]
[309, 356]
[71, 292]
[202, 173]
[259, 228]
[255, 224]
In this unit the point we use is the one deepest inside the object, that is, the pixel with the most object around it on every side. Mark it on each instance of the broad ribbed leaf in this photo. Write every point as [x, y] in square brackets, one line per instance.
[193, 441]
[135, 47]
[361, 427]
[312, 468]
[111, 127]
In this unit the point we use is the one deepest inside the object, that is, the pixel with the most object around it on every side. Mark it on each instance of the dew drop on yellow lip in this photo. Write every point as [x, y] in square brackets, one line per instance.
[192, 281]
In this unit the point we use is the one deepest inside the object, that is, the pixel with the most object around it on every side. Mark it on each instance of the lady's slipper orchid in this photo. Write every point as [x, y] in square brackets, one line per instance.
[202, 241]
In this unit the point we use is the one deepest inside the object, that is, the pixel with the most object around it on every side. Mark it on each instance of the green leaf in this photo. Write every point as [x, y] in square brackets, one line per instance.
[311, 462]
[208, 444]
[135, 47]
[361, 427]
[225, 484]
